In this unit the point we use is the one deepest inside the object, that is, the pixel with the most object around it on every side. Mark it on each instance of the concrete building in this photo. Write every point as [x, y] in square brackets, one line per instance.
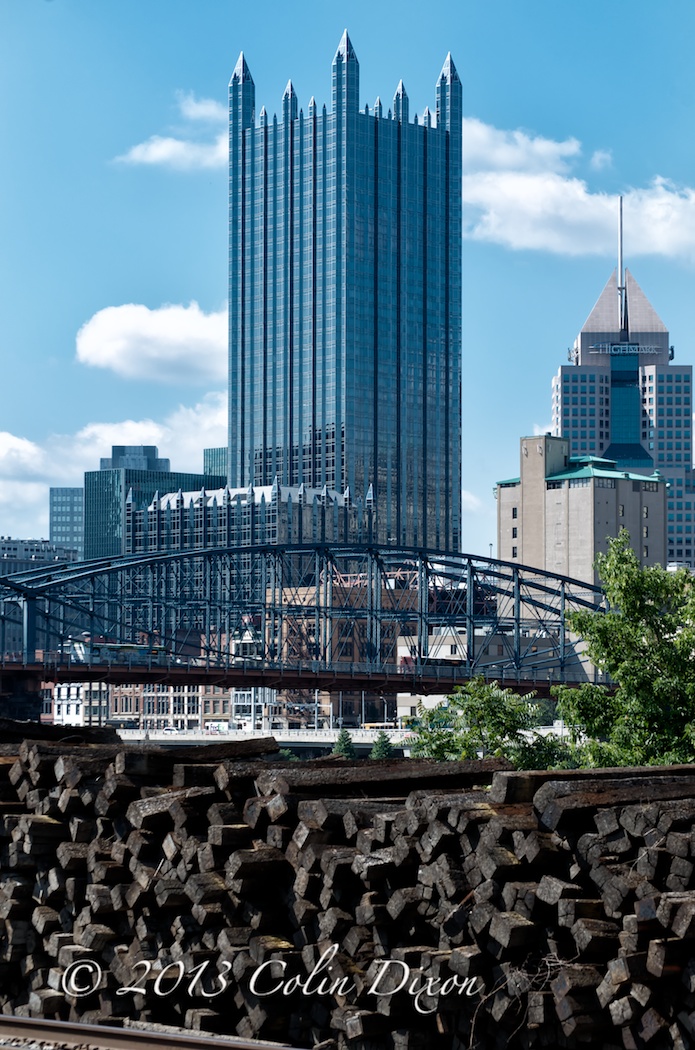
[345, 299]
[561, 511]
[622, 398]
[22, 555]
[66, 519]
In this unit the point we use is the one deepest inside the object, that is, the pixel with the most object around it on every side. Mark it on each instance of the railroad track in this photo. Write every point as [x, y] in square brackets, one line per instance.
[65, 1034]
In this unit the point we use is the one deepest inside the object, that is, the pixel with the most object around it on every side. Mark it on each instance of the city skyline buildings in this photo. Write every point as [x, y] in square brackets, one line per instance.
[345, 299]
[543, 168]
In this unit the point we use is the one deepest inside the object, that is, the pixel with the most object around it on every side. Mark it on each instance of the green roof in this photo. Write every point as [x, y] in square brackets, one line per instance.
[588, 467]
[510, 481]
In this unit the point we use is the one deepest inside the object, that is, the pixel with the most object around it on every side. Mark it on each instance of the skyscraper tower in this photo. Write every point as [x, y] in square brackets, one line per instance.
[345, 300]
[622, 398]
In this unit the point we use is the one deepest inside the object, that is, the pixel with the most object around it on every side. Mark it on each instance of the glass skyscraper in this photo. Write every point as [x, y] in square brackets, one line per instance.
[345, 300]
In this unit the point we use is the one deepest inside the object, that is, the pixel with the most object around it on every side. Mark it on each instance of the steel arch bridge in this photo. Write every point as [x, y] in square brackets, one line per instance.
[296, 615]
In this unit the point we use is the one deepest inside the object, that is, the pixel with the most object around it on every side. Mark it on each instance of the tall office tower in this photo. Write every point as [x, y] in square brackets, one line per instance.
[345, 300]
[66, 518]
[622, 398]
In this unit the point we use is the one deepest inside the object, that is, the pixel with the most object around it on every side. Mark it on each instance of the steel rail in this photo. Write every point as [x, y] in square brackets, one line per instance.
[107, 1037]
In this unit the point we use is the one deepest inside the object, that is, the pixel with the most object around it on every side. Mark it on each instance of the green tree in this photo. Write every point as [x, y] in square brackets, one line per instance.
[344, 745]
[382, 746]
[482, 719]
[646, 643]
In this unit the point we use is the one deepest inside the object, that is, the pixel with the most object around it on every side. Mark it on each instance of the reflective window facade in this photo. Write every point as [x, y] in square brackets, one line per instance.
[66, 518]
[345, 300]
[105, 496]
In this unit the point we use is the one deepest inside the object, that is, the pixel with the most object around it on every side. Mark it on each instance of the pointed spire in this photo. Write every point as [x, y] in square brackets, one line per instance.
[263, 117]
[289, 102]
[449, 112]
[312, 107]
[400, 103]
[641, 314]
[448, 72]
[378, 108]
[346, 51]
[604, 315]
[345, 78]
[242, 73]
[427, 117]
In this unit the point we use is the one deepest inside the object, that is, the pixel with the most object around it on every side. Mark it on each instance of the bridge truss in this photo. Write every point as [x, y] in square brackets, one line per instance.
[376, 611]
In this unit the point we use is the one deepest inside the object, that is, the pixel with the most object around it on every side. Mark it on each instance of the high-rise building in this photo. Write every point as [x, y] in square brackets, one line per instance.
[66, 518]
[345, 299]
[622, 398]
[133, 473]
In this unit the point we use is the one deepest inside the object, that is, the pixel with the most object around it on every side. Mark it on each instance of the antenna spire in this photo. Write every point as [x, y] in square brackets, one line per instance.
[621, 276]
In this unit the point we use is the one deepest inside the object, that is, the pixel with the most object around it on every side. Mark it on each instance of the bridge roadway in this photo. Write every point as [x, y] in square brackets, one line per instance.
[285, 737]
[420, 679]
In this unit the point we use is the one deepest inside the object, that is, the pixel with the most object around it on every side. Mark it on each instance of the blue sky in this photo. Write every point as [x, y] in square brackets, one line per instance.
[113, 206]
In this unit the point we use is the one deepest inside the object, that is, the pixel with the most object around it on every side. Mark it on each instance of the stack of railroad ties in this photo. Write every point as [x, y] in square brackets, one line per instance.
[351, 904]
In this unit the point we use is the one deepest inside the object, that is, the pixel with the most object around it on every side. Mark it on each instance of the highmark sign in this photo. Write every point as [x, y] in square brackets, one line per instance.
[623, 348]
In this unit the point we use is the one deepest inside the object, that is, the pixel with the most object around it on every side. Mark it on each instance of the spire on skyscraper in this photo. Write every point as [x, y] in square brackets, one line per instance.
[605, 315]
[400, 103]
[242, 73]
[448, 72]
[346, 51]
[289, 102]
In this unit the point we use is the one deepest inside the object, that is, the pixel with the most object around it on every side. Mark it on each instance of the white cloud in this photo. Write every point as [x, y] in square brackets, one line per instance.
[27, 469]
[550, 212]
[18, 456]
[486, 148]
[540, 429]
[601, 159]
[472, 504]
[208, 109]
[182, 154]
[171, 344]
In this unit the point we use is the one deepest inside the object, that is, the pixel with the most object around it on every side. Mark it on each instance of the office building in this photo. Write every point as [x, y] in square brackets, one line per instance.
[243, 517]
[66, 519]
[24, 555]
[345, 299]
[561, 511]
[131, 473]
[215, 461]
[622, 398]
